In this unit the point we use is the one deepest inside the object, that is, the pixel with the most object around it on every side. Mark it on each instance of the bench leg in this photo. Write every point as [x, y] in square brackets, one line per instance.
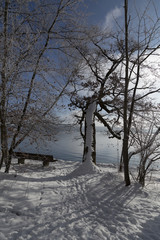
[45, 163]
[21, 160]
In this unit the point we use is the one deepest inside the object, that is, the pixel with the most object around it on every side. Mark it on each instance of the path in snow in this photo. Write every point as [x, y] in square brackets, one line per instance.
[54, 204]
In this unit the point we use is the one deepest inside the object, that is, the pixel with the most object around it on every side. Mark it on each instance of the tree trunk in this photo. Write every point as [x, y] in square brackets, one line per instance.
[94, 141]
[4, 143]
[8, 163]
[84, 143]
[89, 140]
[142, 173]
[126, 161]
[125, 118]
[4, 138]
[121, 165]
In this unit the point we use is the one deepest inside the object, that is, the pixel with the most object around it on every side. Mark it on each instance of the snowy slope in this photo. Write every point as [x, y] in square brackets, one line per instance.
[67, 201]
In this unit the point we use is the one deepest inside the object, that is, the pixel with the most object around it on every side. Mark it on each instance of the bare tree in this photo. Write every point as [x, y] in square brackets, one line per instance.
[138, 49]
[32, 46]
[145, 140]
[96, 82]
[124, 57]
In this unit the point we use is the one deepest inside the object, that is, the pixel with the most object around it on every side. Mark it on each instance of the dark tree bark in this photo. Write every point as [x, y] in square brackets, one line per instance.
[125, 113]
[4, 138]
[94, 141]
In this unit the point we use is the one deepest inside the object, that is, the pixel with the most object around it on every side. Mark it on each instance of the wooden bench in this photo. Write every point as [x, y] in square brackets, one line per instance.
[33, 156]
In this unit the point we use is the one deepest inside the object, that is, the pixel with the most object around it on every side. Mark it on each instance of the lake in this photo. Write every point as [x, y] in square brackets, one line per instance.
[69, 146]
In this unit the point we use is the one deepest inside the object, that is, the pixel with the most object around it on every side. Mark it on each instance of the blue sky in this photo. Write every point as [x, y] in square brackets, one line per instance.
[98, 9]
[101, 9]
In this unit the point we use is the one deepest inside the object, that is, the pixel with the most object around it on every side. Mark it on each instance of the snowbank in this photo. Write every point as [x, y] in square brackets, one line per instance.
[84, 168]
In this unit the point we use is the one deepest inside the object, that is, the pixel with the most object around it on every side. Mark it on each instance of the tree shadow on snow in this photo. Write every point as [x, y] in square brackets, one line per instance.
[150, 229]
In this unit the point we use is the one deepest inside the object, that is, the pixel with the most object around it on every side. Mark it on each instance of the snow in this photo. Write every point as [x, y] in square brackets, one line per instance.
[89, 132]
[75, 201]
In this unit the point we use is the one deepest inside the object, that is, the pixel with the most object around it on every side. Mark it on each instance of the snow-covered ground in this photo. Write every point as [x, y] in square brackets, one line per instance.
[70, 201]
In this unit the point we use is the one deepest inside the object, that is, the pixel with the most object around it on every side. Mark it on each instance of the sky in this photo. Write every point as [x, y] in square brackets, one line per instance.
[102, 11]
[99, 9]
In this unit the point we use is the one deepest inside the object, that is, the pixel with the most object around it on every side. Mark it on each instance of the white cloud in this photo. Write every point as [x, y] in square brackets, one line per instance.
[112, 16]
